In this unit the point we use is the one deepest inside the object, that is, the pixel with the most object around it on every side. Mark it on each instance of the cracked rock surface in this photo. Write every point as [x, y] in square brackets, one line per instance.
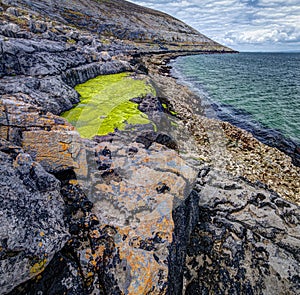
[246, 240]
[32, 229]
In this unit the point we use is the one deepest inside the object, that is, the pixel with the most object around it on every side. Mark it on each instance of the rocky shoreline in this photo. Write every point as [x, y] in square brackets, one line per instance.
[272, 137]
[219, 142]
[196, 206]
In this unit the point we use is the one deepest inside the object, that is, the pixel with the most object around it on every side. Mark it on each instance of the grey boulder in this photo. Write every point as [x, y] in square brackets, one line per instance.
[32, 229]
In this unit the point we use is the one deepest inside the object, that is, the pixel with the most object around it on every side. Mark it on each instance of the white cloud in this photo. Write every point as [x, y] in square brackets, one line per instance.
[267, 24]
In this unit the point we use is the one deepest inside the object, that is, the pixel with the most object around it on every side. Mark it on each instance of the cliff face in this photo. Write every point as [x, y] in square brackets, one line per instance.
[138, 211]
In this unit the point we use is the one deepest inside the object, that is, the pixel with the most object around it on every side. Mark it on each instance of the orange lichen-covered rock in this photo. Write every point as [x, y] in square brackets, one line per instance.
[137, 198]
[49, 139]
[55, 150]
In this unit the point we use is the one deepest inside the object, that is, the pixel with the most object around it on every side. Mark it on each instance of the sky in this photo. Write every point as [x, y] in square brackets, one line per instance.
[244, 25]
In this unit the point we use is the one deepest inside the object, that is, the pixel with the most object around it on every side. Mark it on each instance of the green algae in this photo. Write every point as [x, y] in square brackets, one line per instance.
[105, 105]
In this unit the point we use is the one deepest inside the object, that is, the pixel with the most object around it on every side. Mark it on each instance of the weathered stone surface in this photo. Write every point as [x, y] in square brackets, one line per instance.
[135, 193]
[10, 30]
[49, 139]
[246, 240]
[31, 217]
[120, 220]
[62, 67]
[33, 57]
[61, 276]
[152, 106]
[150, 137]
[81, 74]
[55, 150]
[49, 93]
[140, 24]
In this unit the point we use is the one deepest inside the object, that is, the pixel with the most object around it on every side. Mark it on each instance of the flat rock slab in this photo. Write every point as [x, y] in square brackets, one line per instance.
[136, 195]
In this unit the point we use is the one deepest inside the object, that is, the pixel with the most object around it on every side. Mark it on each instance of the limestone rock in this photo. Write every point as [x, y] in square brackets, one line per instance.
[37, 26]
[135, 193]
[246, 240]
[10, 30]
[141, 219]
[31, 217]
[49, 93]
[137, 23]
[120, 220]
[33, 57]
[49, 139]
[81, 74]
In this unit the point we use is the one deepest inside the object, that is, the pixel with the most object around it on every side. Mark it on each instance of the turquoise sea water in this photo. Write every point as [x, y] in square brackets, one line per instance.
[259, 92]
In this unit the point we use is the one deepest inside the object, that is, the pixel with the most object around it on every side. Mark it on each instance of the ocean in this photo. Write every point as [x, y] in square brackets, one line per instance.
[258, 92]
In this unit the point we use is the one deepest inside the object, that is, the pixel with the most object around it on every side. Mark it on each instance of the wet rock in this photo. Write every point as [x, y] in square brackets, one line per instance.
[59, 277]
[185, 217]
[104, 138]
[32, 228]
[150, 104]
[153, 107]
[141, 69]
[146, 139]
[162, 188]
[137, 100]
[132, 150]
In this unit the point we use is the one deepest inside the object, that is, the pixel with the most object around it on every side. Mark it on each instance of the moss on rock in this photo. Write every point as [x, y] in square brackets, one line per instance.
[105, 105]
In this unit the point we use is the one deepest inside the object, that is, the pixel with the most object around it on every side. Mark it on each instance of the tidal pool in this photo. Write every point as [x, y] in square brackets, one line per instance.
[104, 104]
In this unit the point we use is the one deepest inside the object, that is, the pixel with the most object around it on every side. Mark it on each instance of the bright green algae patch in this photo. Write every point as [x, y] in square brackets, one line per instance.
[105, 105]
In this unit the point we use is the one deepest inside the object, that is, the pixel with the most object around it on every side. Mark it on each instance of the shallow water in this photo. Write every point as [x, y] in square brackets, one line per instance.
[259, 92]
